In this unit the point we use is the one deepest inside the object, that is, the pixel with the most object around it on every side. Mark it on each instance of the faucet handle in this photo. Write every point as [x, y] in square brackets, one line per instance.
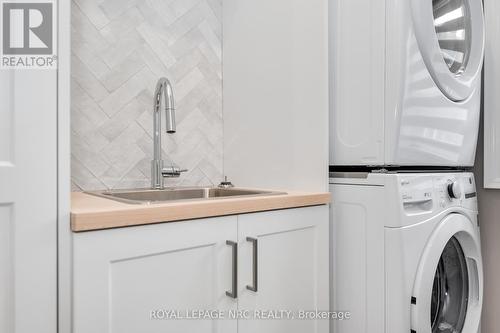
[225, 183]
[172, 172]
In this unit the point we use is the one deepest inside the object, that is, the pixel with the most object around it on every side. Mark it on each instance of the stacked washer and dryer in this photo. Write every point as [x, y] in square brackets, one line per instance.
[405, 110]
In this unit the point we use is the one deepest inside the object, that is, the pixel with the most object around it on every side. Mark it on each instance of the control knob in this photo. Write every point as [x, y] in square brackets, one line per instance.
[454, 189]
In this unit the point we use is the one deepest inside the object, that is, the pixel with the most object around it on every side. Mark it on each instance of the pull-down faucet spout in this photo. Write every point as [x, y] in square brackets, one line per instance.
[163, 88]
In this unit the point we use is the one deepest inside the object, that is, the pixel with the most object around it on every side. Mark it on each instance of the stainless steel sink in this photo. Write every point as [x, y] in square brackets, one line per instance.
[148, 196]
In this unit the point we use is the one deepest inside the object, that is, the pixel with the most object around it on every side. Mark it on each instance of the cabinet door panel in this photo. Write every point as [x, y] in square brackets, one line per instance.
[124, 279]
[292, 268]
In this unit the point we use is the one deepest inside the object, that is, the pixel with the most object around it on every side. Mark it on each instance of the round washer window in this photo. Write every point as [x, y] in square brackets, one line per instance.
[450, 290]
[452, 21]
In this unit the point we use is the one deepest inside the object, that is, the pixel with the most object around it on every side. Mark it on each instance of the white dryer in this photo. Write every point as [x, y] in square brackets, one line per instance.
[405, 81]
[406, 253]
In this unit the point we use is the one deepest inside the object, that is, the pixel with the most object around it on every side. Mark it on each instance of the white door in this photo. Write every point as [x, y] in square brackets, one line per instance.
[28, 201]
[283, 265]
[125, 280]
[447, 295]
[450, 35]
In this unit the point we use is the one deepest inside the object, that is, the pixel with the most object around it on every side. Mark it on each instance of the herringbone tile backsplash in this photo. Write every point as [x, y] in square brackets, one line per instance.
[120, 48]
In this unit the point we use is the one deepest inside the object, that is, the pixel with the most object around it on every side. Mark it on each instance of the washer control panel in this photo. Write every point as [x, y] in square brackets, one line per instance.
[416, 189]
[422, 193]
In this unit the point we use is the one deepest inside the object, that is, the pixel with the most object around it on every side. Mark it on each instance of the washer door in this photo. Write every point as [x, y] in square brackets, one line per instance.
[450, 35]
[447, 295]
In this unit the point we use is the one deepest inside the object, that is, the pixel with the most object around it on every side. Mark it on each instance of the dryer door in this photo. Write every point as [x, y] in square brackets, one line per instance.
[447, 295]
[450, 35]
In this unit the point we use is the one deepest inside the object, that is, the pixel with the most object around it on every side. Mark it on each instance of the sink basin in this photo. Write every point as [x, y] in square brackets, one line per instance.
[148, 196]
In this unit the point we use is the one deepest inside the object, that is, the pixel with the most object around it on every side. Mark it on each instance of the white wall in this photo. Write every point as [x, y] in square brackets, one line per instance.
[64, 234]
[275, 93]
[489, 199]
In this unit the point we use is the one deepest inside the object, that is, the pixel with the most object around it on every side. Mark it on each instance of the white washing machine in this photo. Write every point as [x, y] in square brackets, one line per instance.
[405, 81]
[406, 253]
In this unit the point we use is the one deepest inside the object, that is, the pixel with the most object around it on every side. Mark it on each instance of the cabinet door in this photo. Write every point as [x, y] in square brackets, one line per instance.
[292, 268]
[125, 278]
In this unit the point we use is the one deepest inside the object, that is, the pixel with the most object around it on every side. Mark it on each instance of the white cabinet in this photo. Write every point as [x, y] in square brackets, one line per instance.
[292, 268]
[122, 275]
[124, 280]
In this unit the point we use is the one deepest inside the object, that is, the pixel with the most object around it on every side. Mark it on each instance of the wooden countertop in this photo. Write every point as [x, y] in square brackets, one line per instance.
[90, 212]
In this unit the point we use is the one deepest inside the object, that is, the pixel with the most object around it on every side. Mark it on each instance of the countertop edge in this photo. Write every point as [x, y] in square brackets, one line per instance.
[123, 215]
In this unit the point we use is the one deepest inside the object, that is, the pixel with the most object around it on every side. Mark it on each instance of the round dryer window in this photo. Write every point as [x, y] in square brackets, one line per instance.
[450, 36]
[450, 290]
[452, 22]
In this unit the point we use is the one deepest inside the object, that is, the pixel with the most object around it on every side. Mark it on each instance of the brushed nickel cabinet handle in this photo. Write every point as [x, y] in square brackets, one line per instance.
[255, 264]
[234, 285]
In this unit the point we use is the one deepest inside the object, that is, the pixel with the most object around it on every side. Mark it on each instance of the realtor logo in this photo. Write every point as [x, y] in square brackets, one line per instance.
[28, 34]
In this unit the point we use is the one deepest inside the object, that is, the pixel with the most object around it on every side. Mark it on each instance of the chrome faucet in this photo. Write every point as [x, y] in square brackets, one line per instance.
[158, 172]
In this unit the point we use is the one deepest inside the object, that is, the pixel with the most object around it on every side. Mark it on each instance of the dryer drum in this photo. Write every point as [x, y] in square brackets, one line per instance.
[450, 290]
